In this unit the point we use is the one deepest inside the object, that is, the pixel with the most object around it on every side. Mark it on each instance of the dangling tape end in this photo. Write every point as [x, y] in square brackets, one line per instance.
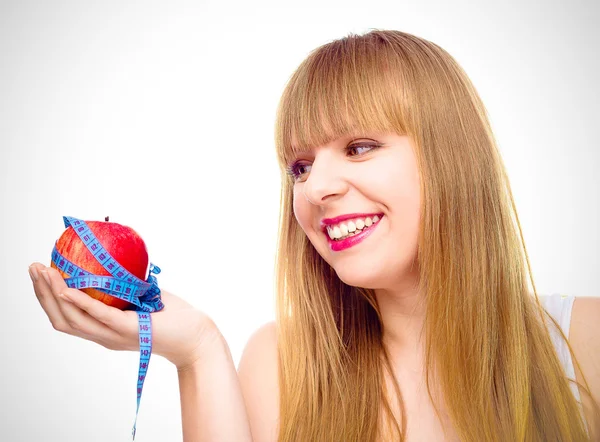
[154, 269]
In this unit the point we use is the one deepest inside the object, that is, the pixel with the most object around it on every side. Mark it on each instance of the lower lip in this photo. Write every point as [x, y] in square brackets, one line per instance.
[344, 244]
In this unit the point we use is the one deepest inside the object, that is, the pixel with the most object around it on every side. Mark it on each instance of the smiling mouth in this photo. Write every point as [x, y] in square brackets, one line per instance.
[350, 228]
[352, 238]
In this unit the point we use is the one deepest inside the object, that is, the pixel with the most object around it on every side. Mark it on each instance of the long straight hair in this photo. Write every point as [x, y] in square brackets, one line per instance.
[487, 342]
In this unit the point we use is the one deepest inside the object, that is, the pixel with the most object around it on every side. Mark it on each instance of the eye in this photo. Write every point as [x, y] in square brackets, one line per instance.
[357, 148]
[297, 169]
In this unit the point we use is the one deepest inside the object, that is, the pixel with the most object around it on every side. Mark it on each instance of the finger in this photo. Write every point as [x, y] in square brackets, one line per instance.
[57, 285]
[53, 306]
[53, 280]
[85, 316]
[45, 297]
[81, 323]
[124, 323]
[52, 284]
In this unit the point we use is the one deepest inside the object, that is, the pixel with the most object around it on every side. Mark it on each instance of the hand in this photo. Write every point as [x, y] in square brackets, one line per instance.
[179, 331]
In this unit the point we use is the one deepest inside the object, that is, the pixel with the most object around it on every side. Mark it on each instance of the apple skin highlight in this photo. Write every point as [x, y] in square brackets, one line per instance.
[122, 242]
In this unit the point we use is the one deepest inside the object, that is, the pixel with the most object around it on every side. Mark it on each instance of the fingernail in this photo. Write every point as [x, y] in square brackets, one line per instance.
[33, 274]
[46, 276]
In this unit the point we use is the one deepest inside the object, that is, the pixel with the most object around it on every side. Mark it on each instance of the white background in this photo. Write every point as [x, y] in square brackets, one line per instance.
[161, 116]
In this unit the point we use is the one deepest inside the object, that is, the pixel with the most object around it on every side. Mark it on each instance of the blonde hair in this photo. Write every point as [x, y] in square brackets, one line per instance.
[495, 363]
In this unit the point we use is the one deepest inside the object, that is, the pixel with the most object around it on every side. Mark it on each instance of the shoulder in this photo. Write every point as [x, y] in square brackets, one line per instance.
[584, 337]
[259, 380]
[263, 342]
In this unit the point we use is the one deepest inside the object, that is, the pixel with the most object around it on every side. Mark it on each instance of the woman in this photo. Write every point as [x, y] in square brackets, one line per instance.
[403, 309]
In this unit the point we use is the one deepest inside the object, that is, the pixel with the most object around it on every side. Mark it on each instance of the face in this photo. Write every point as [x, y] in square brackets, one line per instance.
[366, 191]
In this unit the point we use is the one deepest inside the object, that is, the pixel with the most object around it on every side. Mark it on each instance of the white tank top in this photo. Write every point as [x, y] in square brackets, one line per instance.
[560, 307]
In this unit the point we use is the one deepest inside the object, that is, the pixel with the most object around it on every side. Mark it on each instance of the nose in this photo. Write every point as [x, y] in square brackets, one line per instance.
[325, 180]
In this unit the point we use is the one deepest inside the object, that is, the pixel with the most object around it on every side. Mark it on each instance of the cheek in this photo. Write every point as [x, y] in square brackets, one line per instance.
[405, 224]
[405, 210]
[398, 181]
[303, 212]
[397, 189]
[300, 209]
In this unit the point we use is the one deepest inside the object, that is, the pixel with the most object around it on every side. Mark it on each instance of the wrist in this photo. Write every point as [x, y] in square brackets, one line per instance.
[212, 344]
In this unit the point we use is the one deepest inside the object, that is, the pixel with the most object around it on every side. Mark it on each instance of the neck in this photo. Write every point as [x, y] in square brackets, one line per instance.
[402, 311]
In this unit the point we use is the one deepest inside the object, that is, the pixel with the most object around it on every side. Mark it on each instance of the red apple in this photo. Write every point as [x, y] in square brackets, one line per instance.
[122, 242]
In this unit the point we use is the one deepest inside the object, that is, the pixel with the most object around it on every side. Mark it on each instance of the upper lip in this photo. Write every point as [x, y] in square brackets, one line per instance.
[338, 219]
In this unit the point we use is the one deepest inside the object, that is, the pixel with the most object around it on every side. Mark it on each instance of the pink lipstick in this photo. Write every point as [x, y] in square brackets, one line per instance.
[350, 241]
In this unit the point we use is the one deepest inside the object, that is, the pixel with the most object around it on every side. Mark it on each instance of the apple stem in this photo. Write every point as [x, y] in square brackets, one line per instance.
[106, 219]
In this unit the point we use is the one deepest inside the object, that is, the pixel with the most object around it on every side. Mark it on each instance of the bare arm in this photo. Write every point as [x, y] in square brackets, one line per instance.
[212, 405]
[259, 378]
[584, 337]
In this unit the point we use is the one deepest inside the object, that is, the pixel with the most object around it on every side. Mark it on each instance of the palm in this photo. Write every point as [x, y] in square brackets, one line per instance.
[178, 330]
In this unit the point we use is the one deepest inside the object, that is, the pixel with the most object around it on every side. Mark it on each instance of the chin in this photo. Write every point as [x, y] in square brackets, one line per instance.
[364, 277]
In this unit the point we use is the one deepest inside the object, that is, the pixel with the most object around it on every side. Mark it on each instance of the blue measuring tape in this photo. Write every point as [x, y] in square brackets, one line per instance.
[145, 295]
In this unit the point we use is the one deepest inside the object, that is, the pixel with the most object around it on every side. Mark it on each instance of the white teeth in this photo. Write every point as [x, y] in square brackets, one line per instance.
[350, 228]
[330, 232]
[337, 233]
[344, 229]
